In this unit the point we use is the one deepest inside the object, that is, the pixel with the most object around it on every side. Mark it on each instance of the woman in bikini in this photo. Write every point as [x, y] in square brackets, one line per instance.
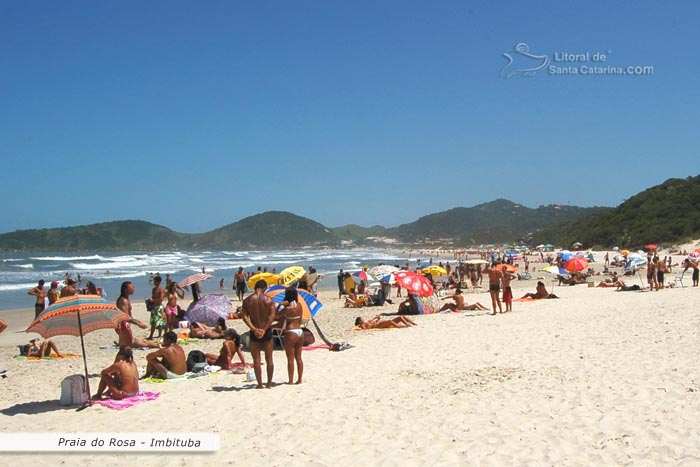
[293, 334]
[121, 379]
[231, 347]
[41, 350]
[202, 331]
[171, 308]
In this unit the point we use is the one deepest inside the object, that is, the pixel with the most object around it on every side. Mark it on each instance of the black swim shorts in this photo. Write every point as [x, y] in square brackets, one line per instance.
[495, 288]
[266, 337]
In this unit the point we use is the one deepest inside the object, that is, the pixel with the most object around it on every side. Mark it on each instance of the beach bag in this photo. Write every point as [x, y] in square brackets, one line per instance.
[73, 390]
[308, 336]
[149, 305]
[195, 359]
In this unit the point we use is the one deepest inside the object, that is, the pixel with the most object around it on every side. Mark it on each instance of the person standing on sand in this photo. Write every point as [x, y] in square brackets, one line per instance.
[341, 283]
[258, 313]
[158, 294]
[239, 283]
[660, 272]
[52, 294]
[123, 329]
[495, 277]
[40, 295]
[507, 291]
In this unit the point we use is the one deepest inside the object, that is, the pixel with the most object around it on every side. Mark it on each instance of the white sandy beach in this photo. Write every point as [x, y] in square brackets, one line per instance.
[597, 377]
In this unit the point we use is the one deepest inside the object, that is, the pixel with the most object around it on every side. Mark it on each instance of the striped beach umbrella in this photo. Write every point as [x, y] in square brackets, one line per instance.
[78, 315]
[194, 278]
[309, 304]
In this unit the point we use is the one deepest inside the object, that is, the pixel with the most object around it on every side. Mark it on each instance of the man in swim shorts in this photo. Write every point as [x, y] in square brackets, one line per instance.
[158, 295]
[495, 277]
[239, 283]
[40, 295]
[258, 313]
[168, 362]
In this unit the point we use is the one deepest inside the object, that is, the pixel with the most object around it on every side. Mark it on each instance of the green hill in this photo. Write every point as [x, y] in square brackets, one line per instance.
[664, 214]
[357, 233]
[494, 222]
[117, 235]
[271, 229]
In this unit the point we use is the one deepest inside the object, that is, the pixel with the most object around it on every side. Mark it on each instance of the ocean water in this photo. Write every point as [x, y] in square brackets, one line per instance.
[20, 272]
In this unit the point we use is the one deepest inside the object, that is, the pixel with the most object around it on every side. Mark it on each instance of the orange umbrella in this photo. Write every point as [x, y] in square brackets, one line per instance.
[509, 267]
[576, 264]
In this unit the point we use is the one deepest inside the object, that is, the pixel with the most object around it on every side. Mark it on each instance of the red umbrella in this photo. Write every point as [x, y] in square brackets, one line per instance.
[576, 264]
[651, 246]
[415, 283]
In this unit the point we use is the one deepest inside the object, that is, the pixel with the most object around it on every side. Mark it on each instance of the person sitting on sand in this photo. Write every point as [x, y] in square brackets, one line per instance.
[541, 292]
[230, 347]
[378, 323]
[3, 326]
[121, 379]
[33, 349]
[353, 300]
[202, 331]
[169, 362]
[459, 303]
[409, 306]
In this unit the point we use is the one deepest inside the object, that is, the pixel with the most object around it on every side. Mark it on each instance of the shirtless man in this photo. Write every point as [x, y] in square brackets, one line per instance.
[168, 362]
[258, 313]
[495, 277]
[121, 379]
[459, 303]
[239, 283]
[52, 294]
[231, 347]
[158, 295]
[69, 289]
[126, 337]
[40, 294]
[660, 271]
[507, 291]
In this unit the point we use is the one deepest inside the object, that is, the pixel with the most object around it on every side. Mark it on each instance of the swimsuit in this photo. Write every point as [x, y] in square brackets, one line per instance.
[171, 310]
[266, 337]
[172, 375]
[298, 332]
[38, 308]
[240, 286]
[157, 316]
[495, 288]
[507, 294]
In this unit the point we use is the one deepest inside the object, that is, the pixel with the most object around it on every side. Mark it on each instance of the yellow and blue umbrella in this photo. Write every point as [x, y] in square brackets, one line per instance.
[309, 304]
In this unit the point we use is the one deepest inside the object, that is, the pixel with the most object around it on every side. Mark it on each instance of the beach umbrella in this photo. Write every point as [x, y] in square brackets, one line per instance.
[193, 279]
[554, 269]
[78, 315]
[309, 304]
[476, 261]
[209, 309]
[624, 252]
[434, 270]
[362, 276]
[415, 283]
[389, 278]
[576, 264]
[694, 255]
[382, 270]
[291, 275]
[616, 248]
[509, 267]
[650, 246]
[268, 277]
[634, 263]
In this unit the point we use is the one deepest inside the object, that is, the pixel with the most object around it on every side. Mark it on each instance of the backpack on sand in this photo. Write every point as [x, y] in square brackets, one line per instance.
[73, 391]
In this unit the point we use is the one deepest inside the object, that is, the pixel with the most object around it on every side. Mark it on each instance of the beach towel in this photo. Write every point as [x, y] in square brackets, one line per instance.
[527, 299]
[142, 396]
[357, 328]
[316, 346]
[52, 357]
[208, 370]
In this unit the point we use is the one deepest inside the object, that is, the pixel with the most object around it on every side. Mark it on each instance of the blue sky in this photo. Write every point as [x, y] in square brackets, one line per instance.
[196, 115]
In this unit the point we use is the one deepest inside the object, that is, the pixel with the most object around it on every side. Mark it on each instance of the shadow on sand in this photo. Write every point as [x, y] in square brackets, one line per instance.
[36, 407]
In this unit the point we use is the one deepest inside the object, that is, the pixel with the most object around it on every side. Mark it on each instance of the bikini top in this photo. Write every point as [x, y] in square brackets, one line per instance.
[292, 317]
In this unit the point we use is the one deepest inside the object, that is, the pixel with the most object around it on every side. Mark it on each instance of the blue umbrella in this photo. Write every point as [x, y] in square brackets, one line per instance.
[276, 292]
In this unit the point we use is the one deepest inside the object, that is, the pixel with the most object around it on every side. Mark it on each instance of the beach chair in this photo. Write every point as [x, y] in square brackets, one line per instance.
[678, 278]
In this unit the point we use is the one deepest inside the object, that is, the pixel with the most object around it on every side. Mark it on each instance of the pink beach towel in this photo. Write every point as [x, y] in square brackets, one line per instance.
[316, 346]
[142, 396]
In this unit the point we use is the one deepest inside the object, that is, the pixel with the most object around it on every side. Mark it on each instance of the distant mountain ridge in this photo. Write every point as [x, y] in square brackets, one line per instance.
[664, 213]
